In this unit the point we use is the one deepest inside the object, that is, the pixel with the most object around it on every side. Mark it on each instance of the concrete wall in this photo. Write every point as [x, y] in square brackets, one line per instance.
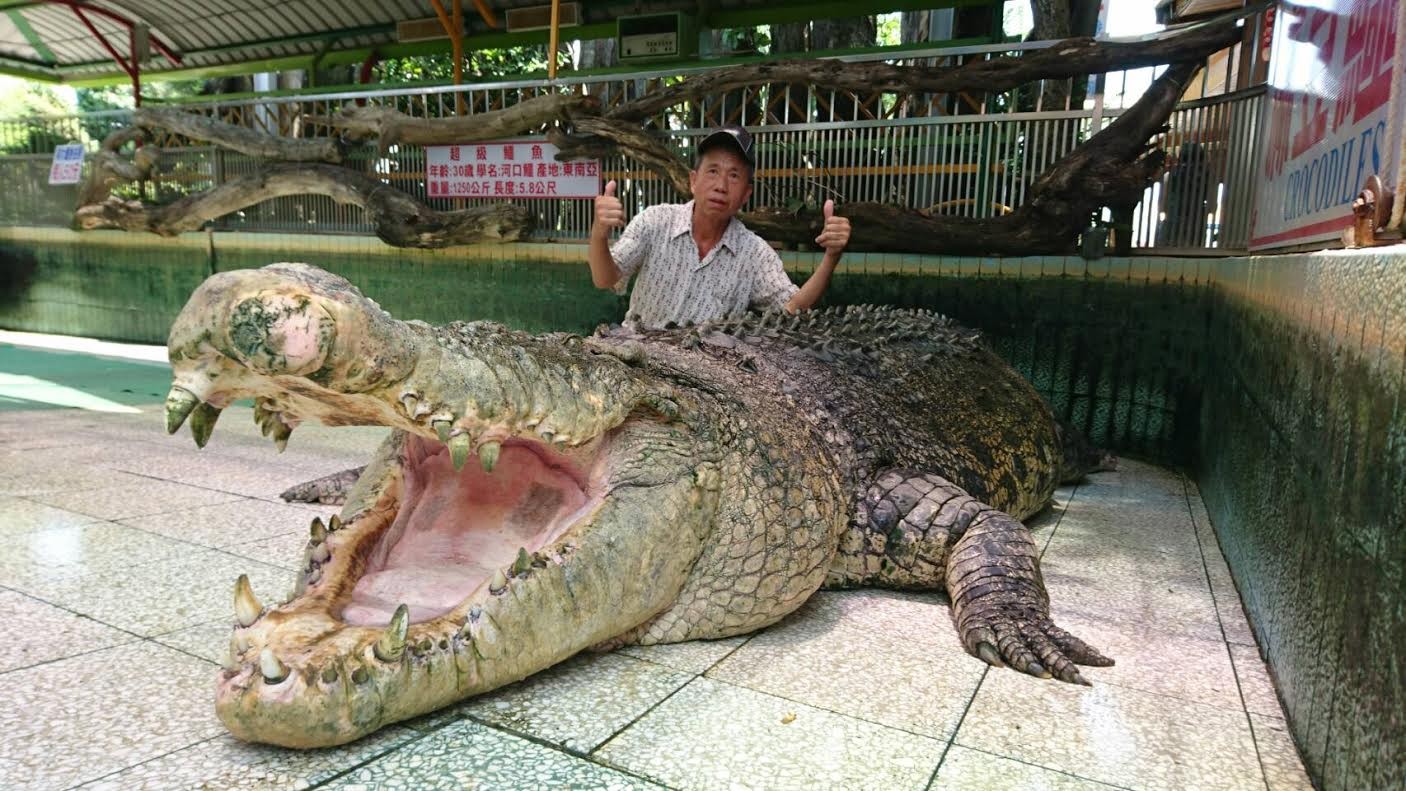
[1280, 379]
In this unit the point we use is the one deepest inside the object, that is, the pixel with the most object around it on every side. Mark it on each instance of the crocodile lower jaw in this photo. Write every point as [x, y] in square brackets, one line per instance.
[409, 585]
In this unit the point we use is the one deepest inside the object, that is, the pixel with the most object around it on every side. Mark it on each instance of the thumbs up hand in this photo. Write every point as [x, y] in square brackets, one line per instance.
[610, 212]
[834, 236]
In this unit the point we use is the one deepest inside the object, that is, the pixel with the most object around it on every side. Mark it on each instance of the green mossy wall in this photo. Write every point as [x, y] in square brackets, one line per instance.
[1303, 448]
[1280, 379]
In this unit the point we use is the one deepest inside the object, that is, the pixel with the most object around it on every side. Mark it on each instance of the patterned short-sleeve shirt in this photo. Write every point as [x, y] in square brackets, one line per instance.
[740, 272]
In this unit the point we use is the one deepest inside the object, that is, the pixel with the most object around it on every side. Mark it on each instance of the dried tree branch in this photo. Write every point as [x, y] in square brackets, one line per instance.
[391, 126]
[401, 221]
[239, 138]
[1069, 58]
[598, 137]
[111, 168]
[1112, 168]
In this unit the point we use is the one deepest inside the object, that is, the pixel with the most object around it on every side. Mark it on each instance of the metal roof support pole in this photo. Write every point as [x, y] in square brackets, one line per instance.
[133, 68]
[552, 44]
[489, 18]
[364, 76]
[454, 28]
[79, 7]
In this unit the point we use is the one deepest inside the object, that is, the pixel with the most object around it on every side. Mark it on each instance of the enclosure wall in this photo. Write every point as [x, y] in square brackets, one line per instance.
[1303, 448]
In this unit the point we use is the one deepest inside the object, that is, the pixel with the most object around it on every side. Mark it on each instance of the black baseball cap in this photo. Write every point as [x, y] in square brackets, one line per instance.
[735, 138]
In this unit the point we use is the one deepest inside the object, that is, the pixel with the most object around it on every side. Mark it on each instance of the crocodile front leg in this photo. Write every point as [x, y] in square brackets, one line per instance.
[999, 601]
[328, 490]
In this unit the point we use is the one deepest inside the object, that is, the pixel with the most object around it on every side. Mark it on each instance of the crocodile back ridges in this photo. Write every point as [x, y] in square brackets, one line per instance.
[884, 387]
[860, 334]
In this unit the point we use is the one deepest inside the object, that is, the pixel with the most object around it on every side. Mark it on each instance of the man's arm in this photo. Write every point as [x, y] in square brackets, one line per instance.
[610, 213]
[833, 237]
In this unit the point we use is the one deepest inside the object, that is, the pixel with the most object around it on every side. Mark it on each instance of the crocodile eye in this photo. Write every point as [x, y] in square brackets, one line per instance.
[281, 334]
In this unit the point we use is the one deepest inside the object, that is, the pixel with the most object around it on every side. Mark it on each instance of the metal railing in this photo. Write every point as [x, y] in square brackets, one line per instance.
[962, 154]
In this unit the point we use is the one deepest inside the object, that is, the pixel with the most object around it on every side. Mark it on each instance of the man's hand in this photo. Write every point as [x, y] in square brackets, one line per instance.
[610, 213]
[833, 237]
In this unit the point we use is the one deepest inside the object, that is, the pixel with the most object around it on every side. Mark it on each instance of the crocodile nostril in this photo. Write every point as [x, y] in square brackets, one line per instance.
[281, 334]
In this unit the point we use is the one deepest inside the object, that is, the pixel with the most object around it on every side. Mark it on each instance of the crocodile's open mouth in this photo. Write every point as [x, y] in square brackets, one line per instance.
[454, 530]
[534, 498]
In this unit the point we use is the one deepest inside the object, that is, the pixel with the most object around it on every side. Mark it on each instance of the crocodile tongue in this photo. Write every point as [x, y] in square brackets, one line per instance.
[455, 529]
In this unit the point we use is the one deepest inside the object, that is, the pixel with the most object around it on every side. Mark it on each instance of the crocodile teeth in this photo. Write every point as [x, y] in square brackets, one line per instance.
[274, 671]
[442, 428]
[266, 420]
[321, 553]
[390, 647]
[228, 663]
[319, 532]
[488, 455]
[334, 524]
[522, 563]
[246, 605]
[499, 582]
[179, 403]
[281, 432]
[409, 401]
[459, 446]
[202, 423]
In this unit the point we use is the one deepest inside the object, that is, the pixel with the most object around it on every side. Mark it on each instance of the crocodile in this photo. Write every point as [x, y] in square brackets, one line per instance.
[541, 495]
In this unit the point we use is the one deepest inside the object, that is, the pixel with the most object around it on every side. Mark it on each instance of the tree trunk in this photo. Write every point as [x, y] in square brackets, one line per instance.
[850, 33]
[913, 26]
[787, 103]
[1051, 22]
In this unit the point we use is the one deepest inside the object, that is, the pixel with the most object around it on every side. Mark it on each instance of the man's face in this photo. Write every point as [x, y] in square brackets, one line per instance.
[721, 183]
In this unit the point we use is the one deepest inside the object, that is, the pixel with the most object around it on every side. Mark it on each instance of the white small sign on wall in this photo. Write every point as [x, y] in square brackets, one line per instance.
[508, 169]
[67, 165]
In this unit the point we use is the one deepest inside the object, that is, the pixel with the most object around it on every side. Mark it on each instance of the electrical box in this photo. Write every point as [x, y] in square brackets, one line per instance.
[668, 36]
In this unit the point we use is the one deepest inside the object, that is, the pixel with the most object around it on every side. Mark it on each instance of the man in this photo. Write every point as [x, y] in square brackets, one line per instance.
[697, 261]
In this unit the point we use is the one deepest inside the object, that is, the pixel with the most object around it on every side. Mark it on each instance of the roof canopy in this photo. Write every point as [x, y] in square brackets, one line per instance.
[87, 42]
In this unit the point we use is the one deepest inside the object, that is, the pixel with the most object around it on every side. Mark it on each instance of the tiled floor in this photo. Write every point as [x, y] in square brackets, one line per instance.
[121, 545]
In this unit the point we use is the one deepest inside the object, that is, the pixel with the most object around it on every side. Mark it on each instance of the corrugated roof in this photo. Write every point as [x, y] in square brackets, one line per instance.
[50, 39]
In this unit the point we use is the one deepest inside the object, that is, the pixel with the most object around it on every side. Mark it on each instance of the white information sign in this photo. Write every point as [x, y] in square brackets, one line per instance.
[508, 169]
[67, 165]
[1327, 126]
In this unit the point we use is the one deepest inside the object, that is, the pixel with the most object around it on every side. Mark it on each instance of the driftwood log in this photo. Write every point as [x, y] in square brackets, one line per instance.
[400, 220]
[601, 137]
[390, 126]
[1112, 168]
[1068, 58]
[240, 138]
[110, 168]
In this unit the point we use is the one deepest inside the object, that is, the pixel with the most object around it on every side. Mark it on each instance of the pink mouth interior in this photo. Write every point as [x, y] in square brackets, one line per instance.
[455, 529]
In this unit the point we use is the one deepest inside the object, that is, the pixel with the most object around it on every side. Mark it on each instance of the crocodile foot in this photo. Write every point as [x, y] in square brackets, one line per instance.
[1000, 605]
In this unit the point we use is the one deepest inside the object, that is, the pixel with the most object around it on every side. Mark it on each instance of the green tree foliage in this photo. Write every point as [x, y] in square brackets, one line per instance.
[21, 99]
[504, 63]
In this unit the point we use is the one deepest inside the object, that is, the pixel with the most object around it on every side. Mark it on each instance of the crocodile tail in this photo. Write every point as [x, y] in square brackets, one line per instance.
[1079, 456]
